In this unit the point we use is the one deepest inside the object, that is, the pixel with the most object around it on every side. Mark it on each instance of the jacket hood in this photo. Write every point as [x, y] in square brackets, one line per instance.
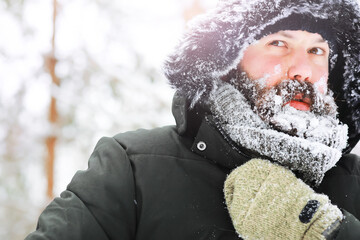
[215, 42]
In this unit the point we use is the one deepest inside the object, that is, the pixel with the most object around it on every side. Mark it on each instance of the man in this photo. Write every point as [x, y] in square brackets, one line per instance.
[260, 85]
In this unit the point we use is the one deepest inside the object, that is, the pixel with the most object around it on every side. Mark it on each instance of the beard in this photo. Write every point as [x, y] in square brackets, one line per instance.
[271, 105]
[258, 118]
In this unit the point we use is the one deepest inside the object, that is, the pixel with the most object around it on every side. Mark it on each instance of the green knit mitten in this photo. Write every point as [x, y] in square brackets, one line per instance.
[267, 201]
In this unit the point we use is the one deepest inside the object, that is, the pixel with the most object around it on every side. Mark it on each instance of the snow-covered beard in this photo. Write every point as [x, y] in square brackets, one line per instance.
[311, 154]
[271, 106]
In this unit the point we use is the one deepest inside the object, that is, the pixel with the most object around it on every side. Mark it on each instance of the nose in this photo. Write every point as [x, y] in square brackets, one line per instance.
[299, 67]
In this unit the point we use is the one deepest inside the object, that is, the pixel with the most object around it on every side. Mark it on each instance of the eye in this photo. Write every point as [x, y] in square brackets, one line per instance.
[317, 51]
[277, 43]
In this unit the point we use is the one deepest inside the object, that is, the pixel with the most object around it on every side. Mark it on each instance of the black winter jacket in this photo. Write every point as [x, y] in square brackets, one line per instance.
[162, 184]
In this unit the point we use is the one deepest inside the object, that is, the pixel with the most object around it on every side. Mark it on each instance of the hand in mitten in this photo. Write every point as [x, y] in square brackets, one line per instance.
[267, 201]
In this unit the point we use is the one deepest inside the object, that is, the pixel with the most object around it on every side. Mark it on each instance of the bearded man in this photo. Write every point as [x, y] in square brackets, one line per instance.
[267, 111]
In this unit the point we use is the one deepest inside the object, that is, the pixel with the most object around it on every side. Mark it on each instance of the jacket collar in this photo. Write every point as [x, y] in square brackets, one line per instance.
[208, 139]
[212, 144]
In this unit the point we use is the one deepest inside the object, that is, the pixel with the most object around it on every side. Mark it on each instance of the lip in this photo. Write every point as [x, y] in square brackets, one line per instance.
[302, 106]
[300, 102]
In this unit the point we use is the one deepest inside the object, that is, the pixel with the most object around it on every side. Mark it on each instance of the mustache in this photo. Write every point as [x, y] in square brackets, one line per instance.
[302, 91]
[289, 89]
[262, 98]
[269, 101]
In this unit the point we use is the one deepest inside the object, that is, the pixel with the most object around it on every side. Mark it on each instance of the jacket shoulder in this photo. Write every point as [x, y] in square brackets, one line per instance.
[98, 203]
[162, 141]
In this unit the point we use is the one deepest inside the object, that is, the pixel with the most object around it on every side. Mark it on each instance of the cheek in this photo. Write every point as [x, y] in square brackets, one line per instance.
[273, 71]
[266, 67]
[320, 81]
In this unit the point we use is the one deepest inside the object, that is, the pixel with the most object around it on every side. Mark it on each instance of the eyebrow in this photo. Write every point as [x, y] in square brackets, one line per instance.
[285, 34]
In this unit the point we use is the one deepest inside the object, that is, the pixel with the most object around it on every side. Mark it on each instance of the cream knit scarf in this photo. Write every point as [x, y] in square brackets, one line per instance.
[311, 157]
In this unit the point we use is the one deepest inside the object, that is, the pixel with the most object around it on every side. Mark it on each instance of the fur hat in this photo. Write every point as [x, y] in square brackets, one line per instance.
[215, 43]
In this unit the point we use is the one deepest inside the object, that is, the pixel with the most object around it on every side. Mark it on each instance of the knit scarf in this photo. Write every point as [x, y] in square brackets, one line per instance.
[312, 157]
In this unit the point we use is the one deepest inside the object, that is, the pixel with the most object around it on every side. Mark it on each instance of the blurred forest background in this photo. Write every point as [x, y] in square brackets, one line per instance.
[70, 73]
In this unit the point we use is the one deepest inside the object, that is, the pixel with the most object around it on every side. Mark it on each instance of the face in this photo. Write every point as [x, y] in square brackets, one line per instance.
[295, 55]
[284, 78]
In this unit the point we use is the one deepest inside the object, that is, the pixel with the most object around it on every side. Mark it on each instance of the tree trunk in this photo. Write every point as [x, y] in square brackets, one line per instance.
[50, 141]
[193, 10]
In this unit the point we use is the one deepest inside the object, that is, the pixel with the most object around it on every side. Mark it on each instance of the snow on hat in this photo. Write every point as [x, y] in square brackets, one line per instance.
[216, 41]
